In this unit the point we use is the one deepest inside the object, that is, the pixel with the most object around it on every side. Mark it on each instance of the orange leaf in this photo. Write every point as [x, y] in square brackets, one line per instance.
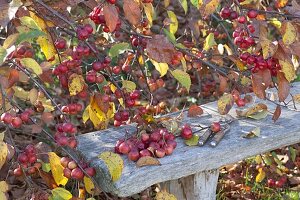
[283, 86]
[132, 11]
[111, 16]
[194, 111]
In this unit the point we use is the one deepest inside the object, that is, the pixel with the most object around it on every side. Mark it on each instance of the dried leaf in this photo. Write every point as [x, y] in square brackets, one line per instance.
[147, 161]
[225, 103]
[259, 115]
[76, 84]
[258, 86]
[268, 47]
[57, 170]
[283, 86]
[48, 178]
[132, 11]
[163, 195]
[33, 96]
[256, 108]
[192, 141]
[114, 164]
[209, 6]
[277, 113]
[111, 16]
[223, 84]
[260, 176]
[254, 133]
[160, 49]
[194, 111]
[162, 68]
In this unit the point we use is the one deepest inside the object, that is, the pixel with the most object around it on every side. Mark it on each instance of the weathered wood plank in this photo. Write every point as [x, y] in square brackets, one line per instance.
[199, 186]
[186, 160]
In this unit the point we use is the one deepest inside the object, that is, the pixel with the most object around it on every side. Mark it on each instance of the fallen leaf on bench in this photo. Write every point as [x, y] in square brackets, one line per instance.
[194, 111]
[252, 110]
[147, 161]
[163, 195]
[260, 176]
[57, 169]
[114, 164]
[193, 141]
[260, 115]
[89, 185]
[225, 103]
[254, 133]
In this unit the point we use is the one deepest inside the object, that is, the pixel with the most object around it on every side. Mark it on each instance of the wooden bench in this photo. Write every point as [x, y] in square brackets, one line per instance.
[192, 172]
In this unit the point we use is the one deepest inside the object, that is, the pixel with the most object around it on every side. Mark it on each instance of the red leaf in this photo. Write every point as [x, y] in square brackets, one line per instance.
[160, 49]
[111, 16]
[258, 87]
[223, 84]
[283, 86]
[132, 11]
[277, 113]
[195, 111]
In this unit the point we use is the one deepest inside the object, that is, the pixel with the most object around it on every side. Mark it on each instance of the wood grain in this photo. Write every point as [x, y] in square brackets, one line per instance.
[185, 160]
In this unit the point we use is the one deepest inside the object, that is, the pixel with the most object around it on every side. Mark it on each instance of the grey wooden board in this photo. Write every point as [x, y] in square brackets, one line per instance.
[189, 160]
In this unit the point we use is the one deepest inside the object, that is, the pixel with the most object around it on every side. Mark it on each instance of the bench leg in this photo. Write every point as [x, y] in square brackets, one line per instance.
[199, 186]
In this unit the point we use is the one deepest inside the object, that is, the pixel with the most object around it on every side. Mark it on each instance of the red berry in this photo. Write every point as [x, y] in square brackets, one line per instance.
[117, 145]
[60, 43]
[155, 136]
[90, 171]
[64, 161]
[67, 173]
[225, 13]
[67, 127]
[134, 155]
[172, 143]
[23, 158]
[97, 66]
[215, 127]
[251, 28]
[6, 118]
[241, 102]
[242, 19]
[186, 132]
[16, 122]
[116, 69]
[233, 15]
[32, 159]
[112, 1]
[145, 137]
[145, 152]
[89, 28]
[72, 165]
[72, 143]
[125, 115]
[135, 95]
[252, 14]
[91, 78]
[30, 149]
[62, 140]
[124, 148]
[160, 153]
[77, 174]
[18, 172]
[168, 149]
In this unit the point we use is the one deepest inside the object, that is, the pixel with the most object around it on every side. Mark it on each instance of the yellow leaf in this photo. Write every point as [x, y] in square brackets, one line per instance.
[173, 23]
[60, 194]
[129, 86]
[48, 48]
[86, 114]
[2, 196]
[2, 136]
[31, 64]
[89, 185]
[114, 164]
[275, 22]
[162, 68]
[57, 170]
[268, 48]
[163, 195]
[225, 103]
[41, 22]
[10, 40]
[141, 60]
[288, 69]
[3, 153]
[76, 84]
[260, 176]
[289, 35]
[209, 42]
[3, 186]
[20, 93]
[33, 95]
[149, 11]
[182, 77]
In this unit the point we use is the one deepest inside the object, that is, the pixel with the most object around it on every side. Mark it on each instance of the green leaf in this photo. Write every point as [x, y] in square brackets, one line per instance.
[193, 141]
[31, 64]
[161, 67]
[129, 86]
[293, 153]
[184, 5]
[195, 3]
[29, 22]
[46, 167]
[170, 36]
[29, 36]
[114, 164]
[60, 194]
[183, 78]
[260, 115]
[3, 53]
[117, 49]
[174, 22]
[183, 62]
[209, 42]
